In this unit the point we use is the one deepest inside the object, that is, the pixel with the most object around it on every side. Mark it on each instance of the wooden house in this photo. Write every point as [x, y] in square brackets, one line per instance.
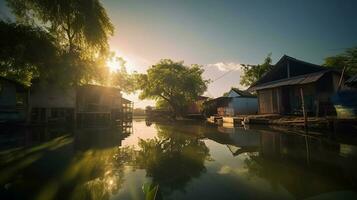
[52, 103]
[279, 90]
[13, 101]
[91, 104]
[236, 102]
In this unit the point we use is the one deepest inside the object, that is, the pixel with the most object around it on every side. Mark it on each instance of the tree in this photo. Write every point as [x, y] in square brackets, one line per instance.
[251, 74]
[75, 23]
[121, 79]
[173, 83]
[81, 29]
[26, 53]
[347, 59]
[173, 158]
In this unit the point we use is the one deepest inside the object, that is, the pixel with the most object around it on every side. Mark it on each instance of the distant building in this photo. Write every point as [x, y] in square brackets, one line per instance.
[279, 90]
[196, 108]
[237, 102]
[13, 101]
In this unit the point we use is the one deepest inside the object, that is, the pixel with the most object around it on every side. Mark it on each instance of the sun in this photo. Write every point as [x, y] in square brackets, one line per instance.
[113, 65]
[119, 60]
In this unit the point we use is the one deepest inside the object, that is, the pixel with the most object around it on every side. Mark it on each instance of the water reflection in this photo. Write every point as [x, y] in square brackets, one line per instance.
[185, 160]
[172, 158]
[305, 165]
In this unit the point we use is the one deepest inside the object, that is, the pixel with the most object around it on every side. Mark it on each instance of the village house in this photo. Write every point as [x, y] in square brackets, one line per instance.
[84, 104]
[13, 101]
[236, 102]
[279, 90]
[51, 103]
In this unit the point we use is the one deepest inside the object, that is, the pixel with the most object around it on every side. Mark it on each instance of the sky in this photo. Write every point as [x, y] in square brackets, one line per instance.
[222, 34]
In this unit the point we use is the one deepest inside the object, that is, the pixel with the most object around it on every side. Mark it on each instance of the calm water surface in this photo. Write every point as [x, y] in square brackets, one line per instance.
[185, 160]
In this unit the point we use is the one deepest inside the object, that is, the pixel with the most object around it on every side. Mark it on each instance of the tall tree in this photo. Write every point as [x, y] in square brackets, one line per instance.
[121, 78]
[75, 23]
[346, 59]
[173, 83]
[80, 27]
[251, 74]
[27, 52]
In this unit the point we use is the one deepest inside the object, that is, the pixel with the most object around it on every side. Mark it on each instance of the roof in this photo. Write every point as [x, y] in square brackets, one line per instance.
[99, 87]
[125, 100]
[13, 81]
[280, 70]
[242, 93]
[297, 80]
[352, 81]
[201, 98]
[219, 101]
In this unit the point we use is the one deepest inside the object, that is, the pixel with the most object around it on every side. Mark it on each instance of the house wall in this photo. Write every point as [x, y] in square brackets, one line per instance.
[52, 97]
[98, 99]
[13, 101]
[316, 96]
[287, 99]
[7, 94]
[244, 105]
[265, 99]
[310, 95]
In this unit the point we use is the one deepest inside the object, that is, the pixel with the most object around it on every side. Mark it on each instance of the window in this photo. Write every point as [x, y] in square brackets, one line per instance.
[20, 99]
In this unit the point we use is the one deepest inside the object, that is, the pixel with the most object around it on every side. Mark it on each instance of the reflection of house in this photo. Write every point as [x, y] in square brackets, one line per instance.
[237, 102]
[279, 89]
[13, 101]
[238, 140]
[87, 104]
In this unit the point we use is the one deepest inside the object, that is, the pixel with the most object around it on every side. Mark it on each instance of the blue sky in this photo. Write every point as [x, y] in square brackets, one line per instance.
[222, 34]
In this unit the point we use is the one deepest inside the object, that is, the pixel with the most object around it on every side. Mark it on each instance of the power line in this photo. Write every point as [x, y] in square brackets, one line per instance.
[223, 75]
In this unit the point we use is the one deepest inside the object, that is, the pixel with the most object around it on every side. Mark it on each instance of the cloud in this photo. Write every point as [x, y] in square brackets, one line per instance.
[224, 66]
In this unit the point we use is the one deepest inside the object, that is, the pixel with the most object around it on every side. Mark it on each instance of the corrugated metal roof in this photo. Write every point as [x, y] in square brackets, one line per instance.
[297, 80]
[242, 93]
[352, 80]
[296, 68]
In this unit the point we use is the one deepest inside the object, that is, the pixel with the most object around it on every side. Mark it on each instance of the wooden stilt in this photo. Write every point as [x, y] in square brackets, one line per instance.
[303, 108]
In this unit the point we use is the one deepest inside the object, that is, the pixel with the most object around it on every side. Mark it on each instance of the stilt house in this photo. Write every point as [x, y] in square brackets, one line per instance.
[279, 90]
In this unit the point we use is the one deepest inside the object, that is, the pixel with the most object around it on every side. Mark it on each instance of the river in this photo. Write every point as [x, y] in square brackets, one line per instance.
[184, 160]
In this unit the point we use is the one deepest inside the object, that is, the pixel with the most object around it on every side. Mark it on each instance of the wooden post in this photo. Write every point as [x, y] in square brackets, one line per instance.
[341, 77]
[303, 108]
[307, 150]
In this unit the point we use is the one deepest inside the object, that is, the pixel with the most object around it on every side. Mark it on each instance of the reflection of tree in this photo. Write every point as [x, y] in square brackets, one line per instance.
[103, 173]
[172, 159]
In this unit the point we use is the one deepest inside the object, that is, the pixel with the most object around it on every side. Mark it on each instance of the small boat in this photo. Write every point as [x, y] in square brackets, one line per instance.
[345, 103]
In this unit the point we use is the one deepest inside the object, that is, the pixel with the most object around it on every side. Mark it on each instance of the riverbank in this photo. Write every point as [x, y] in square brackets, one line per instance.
[324, 123]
